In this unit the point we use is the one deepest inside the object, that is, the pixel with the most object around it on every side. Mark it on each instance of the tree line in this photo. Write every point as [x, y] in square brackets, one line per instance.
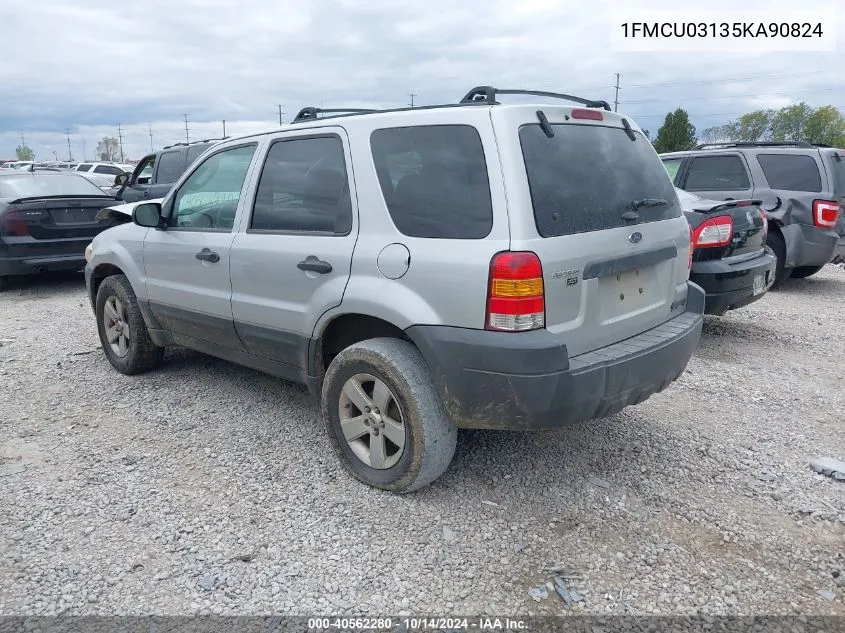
[799, 122]
[108, 150]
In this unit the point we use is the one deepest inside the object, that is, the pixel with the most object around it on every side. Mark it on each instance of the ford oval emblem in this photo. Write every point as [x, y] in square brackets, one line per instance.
[635, 237]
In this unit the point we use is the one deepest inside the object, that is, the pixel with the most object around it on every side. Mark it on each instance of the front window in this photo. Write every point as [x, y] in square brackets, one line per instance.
[208, 199]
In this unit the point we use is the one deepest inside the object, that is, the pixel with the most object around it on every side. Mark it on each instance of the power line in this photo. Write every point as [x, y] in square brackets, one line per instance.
[751, 96]
[280, 113]
[187, 134]
[151, 137]
[412, 95]
[69, 151]
[224, 128]
[718, 81]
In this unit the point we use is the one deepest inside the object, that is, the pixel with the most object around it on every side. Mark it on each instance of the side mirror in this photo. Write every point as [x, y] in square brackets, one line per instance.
[121, 179]
[148, 215]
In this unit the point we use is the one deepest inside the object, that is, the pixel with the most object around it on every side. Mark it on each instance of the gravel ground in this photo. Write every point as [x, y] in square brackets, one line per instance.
[208, 488]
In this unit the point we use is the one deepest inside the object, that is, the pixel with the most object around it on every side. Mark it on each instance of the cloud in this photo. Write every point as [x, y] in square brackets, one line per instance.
[90, 66]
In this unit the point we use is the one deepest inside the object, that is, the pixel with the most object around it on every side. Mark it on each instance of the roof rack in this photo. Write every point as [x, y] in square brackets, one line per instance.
[487, 94]
[205, 140]
[311, 113]
[757, 144]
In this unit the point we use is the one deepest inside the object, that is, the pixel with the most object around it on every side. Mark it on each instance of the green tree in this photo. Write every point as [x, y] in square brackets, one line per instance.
[790, 123]
[24, 152]
[676, 133]
[825, 125]
[753, 126]
[108, 148]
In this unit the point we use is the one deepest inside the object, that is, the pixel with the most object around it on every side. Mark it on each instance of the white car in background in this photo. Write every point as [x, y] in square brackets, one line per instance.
[104, 169]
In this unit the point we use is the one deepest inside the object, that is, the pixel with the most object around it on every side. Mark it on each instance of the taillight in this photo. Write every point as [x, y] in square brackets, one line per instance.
[825, 213]
[13, 224]
[713, 232]
[691, 247]
[515, 296]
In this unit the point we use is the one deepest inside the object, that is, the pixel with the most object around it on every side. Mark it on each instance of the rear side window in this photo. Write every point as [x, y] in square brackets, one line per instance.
[83, 168]
[107, 169]
[434, 180]
[303, 187]
[170, 167]
[791, 172]
[717, 173]
[194, 153]
[837, 164]
[672, 165]
[586, 177]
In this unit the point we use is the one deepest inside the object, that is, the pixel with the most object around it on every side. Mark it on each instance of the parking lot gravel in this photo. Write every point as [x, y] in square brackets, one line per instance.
[204, 487]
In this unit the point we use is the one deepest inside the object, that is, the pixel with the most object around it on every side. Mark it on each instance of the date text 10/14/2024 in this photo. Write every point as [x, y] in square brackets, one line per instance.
[416, 624]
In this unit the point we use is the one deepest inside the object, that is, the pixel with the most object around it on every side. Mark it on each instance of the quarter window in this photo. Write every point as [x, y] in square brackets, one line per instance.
[791, 172]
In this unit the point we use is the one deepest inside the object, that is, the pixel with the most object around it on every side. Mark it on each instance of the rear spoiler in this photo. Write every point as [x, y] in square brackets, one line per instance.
[729, 204]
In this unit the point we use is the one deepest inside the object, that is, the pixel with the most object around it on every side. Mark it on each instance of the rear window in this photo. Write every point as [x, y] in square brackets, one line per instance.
[717, 173]
[434, 180]
[837, 166]
[32, 185]
[586, 177]
[791, 172]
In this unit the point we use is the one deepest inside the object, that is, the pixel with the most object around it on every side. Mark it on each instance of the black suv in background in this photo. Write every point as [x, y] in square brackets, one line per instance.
[156, 173]
[802, 187]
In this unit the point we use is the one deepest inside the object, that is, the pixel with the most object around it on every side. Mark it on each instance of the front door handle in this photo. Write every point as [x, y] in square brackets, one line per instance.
[315, 265]
[207, 255]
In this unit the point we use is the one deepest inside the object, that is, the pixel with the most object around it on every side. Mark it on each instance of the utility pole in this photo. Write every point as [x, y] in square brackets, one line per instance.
[412, 95]
[84, 151]
[120, 140]
[280, 114]
[69, 152]
[151, 137]
[224, 128]
[187, 136]
[616, 99]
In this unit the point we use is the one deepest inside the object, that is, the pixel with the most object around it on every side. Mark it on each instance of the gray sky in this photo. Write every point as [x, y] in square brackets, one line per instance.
[93, 64]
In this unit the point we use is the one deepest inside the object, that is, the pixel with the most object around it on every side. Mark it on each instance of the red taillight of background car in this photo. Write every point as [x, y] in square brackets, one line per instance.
[765, 218]
[825, 213]
[713, 232]
[13, 224]
[515, 294]
[691, 248]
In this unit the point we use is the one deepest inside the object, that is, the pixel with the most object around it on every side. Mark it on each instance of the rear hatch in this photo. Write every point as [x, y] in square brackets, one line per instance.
[56, 218]
[592, 199]
[836, 165]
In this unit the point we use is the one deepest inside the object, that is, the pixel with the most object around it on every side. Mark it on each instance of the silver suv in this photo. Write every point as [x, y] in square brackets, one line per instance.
[473, 265]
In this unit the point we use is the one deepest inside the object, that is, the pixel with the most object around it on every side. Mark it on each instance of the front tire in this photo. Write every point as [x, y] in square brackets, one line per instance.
[123, 333]
[775, 241]
[384, 416]
[802, 272]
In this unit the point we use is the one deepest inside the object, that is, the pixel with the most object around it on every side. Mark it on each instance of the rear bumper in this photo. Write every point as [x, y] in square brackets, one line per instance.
[807, 245]
[27, 260]
[526, 381]
[730, 285]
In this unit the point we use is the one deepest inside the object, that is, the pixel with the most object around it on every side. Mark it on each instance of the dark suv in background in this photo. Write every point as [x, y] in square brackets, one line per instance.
[156, 173]
[802, 187]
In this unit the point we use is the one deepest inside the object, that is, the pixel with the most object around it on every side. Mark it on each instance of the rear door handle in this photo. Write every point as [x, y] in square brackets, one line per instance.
[314, 264]
[207, 255]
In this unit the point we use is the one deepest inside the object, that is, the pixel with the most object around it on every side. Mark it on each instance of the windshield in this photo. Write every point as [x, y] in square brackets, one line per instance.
[30, 185]
[586, 177]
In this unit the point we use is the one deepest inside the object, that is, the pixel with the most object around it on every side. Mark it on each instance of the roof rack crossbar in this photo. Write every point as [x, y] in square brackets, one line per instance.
[487, 94]
[312, 113]
[205, 140]
[756, 144]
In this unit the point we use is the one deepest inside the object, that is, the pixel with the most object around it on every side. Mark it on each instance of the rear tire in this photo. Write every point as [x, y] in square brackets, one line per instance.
[775, 241]
[4, 283]
[802, 272]
[123, 333]
[386, 379]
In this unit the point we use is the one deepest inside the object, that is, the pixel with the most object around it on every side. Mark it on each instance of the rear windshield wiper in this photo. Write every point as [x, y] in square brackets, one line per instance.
[544, 124]
[649, 202]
